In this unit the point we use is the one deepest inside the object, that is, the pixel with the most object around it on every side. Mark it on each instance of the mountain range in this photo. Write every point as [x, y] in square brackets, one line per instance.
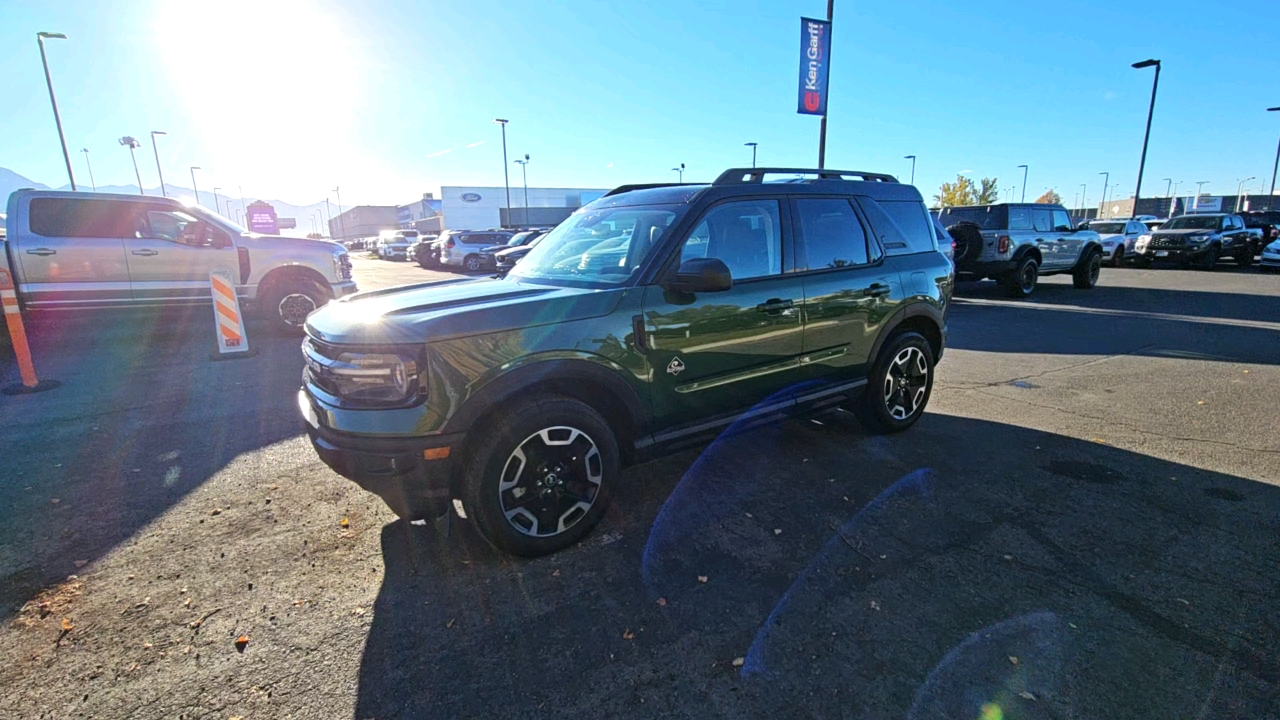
[227, 206]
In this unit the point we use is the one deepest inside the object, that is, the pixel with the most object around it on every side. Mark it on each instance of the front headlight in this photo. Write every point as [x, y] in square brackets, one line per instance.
[342, 265]
[1142, 242]
[375, 378]
[1196, 239]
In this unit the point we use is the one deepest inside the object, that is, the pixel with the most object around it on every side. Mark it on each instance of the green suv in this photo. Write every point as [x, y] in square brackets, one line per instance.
[649, 320]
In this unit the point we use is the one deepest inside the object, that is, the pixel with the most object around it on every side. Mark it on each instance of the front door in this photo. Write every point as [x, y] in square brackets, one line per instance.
[1069, 240]
[715, 354]
[1046, 238]
[173, 254]
[73, 254]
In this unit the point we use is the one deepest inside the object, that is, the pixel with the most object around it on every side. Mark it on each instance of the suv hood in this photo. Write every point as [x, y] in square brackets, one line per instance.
[429, 312]
[253, 241]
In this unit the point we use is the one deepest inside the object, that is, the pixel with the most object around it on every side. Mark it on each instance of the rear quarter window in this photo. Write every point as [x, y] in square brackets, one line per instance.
[901, 225]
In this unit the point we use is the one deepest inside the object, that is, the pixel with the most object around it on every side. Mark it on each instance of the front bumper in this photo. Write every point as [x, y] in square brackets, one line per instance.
[1184, 253]
[344, 288]
[393, 468]
[1269, 260]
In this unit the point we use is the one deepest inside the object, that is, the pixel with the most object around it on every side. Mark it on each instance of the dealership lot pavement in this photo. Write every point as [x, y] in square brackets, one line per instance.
[1082, 525]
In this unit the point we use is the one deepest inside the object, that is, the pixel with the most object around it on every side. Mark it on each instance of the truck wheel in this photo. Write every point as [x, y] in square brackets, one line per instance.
[1209, 259]
[473, 263]
[1085, 276]
[898, 386]
[1022, 281]
[540, 477]
[289, 304]
[1117, 260]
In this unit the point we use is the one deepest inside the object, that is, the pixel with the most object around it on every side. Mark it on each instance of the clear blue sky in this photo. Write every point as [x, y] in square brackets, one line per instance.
[392, 98]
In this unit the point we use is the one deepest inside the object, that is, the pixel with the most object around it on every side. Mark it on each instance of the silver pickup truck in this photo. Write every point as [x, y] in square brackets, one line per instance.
[81, 250]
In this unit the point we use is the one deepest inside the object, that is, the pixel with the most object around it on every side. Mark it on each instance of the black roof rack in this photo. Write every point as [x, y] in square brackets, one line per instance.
[743, 176]
[643, 186]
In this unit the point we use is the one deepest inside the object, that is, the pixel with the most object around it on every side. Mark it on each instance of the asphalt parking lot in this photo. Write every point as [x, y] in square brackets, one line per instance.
[1083, 525]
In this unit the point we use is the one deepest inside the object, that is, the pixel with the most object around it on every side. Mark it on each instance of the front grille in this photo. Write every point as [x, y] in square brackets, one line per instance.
[1167, 243]
[313, 372]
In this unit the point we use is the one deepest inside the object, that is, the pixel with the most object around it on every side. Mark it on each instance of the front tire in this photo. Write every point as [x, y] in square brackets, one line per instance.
[1209, 259]
[1086, 274]
[288, 306]
[898, 386]
[1022, 281]
[1117, 260]
[541, 476]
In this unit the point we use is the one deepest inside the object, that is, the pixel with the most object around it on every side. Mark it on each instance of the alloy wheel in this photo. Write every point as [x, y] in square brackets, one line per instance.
[1027, 276]
[550, 481]
[473, 263]
[295, 307]
[1095, 268]
[905, 383]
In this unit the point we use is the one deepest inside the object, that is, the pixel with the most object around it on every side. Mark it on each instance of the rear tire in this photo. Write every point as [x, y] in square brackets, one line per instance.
[473, 263]
[898, 386]
[1087, 272]
[1022, 281]
[540, 476]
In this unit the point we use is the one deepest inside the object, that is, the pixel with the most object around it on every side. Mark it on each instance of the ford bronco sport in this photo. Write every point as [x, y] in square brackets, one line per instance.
[650, 319]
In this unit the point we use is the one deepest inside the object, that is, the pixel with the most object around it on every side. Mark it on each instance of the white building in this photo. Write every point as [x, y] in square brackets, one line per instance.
[476, 208]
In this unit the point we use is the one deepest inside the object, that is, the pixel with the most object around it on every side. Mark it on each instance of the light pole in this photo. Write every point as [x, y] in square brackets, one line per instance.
[329, 213]
[912, 158]
[1274, 166]
[1024, 182]
[243, 207]
[753, 151]
[90, 166]
[1199, 184]
[1240, 187]
[524, 172]
[1084, 200]
[1142, 164]
[194, 189]
[341, 219]
[217, 207]
[1106, 178]
[679, 170]
[506, 181]
[132, 144]
[57, 118]
[160, 172]
[1168, 185]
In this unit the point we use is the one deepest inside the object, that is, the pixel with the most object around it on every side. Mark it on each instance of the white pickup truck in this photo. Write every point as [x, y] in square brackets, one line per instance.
[73, 250]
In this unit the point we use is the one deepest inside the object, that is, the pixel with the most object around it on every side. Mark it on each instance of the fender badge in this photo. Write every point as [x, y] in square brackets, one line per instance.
[676, 367]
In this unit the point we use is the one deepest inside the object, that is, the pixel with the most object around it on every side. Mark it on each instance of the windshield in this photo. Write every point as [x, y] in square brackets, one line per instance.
[603, 246]
[519, 238]
[987, 218]
[1107, 227]
[1193, 222]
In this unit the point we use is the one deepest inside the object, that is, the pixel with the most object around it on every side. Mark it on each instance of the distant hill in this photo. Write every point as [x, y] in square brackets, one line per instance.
[10, 181]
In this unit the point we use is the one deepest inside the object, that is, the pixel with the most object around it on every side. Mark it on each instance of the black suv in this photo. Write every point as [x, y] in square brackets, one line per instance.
[650, 319]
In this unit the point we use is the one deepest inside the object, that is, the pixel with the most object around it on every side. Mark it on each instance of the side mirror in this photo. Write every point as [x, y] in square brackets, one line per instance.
[701, 275]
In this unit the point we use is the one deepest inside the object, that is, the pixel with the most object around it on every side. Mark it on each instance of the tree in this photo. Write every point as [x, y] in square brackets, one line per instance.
[1050, 197]
[956, 194]
[315, 236]
[989, 194]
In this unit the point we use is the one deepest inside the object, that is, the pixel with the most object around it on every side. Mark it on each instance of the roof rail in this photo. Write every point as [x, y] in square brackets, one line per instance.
[643, 186]
[744, 176]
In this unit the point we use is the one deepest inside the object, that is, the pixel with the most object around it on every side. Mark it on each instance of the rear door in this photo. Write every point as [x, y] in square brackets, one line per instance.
[173, 254]
[717, 354]
[72, 252]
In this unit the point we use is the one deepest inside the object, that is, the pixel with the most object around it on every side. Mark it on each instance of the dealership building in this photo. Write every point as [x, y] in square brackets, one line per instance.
[475, 208]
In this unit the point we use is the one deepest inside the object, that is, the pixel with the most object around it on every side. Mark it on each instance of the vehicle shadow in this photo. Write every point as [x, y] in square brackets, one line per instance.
[810, 570]
[1139, 321]
[142, 417]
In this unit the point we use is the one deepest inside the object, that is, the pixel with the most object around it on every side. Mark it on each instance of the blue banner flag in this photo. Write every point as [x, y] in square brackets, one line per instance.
[815, 59]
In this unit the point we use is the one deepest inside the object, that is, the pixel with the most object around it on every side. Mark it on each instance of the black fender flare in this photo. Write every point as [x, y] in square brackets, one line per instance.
[1025, 250]
[912, 310]
[1090, 247]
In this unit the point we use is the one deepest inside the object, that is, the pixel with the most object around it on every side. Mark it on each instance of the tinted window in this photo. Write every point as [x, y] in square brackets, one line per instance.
[70, 218]
[831, 233]
[1107, 228]
[172, 226]
[1041, 220]
[1191, 222]
[1019, 218]
[1061, 221]
[912, 220]
[991, 217]
[745, 235]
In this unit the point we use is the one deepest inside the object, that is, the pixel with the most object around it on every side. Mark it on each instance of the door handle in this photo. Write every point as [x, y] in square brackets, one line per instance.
[877, 290]
[42, 252]
[774, 306]
[145, 252]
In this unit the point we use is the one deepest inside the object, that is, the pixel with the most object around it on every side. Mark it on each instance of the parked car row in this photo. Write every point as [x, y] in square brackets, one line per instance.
[473, 250]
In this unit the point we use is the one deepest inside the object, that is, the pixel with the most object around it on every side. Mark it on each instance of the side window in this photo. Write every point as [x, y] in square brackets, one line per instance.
[172, 226]
[745, 235]
[1041, 219]
[75, 218]
[912, 219]
[1061, 221]
[1020, 218]
[832, 235]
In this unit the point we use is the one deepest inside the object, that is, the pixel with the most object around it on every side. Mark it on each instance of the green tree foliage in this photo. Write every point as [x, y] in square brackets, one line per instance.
[964, 192]
[1050, 197]
[989, 193]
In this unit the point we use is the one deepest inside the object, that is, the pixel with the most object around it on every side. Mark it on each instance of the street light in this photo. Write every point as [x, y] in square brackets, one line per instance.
[194, 189]
[1084, 199]
[57, 118]
[524, 172]
[1142, 164]
[342, 220]
[90, 166]
[1168, 185]
[1276, 165]
[1105, 179]
[1199, 184]
[156, 150]
[912, 158]
[132, 144]
[506, 181]
[1240, 187]
[217, 207]
[1024, 182]
[753, 152]
[679, 170]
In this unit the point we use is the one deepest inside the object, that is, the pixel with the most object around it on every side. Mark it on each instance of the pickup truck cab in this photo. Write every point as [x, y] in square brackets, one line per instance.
[71, 250]
[1200, 239]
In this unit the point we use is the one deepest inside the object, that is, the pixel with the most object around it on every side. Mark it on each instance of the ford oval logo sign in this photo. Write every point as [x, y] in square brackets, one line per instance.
[470, 197]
